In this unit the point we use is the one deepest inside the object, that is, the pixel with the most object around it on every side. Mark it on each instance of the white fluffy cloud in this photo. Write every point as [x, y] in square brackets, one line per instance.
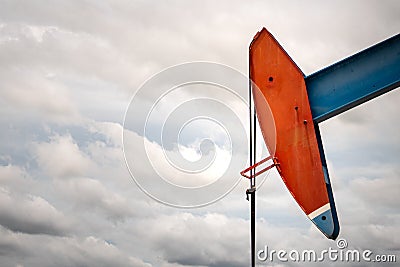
[90, 194]
[61, 157]
[41, 250]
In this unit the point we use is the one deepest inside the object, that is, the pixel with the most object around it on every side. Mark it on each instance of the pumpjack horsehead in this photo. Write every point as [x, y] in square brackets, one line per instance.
[294, 104]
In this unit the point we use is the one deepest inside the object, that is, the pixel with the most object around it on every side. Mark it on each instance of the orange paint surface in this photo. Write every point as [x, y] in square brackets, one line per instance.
[281, 83]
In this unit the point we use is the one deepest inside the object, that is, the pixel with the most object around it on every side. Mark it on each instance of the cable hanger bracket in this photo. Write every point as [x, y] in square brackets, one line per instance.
[275, 163]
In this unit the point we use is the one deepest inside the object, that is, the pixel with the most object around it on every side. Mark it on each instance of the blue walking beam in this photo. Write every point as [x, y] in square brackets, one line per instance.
[354, 80]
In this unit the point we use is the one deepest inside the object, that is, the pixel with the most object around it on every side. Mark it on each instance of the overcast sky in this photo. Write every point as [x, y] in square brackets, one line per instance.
[68, 70]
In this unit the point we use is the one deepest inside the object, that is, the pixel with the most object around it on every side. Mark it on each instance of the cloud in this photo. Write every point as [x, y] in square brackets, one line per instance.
[63, 251]
[22, 210]
[207, 240]
[364, 136]
[67, 71]
[32, 94]
[379, 191]
[31, 214]
[90, 194]
[66, 163]
[112, 131]
[44, 46]
[16, 178]
[61, 157]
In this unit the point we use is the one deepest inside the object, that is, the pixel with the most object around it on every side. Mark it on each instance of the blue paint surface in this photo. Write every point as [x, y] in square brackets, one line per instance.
[354, 80]
[325, 223]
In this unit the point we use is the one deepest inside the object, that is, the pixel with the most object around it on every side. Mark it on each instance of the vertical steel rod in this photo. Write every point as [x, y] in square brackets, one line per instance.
[253, 195]
[251, 171]
[252, 129]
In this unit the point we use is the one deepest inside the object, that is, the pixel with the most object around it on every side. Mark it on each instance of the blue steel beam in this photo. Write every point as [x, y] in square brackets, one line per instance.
[354, 80]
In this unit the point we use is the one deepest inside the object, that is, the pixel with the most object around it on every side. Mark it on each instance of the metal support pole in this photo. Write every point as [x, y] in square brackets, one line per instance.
[251, 190]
